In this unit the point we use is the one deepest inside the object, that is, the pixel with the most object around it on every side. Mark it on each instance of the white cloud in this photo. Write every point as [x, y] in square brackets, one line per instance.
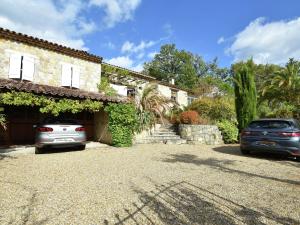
[116, 10]
[273, 42]
[221, 40]
[168, 29]
[151, 55]
[62, 21]
[123, 61]
[58, 23]
[130, 47]
[126, 62]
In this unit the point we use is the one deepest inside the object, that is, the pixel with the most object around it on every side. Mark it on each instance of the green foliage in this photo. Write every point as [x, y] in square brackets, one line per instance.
[283, 85]
[49, 104]
[122, 123]
[109, 70]
[145, 120]
[185, 67]
[215, 109]
[2, 118]
[104, 86]
[229, 131]
[282, 110]
[208, 83]
[151, 101]
[245, 94]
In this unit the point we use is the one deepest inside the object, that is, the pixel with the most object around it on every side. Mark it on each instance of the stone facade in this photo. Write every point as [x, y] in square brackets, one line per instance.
[48, 65]
[201, 134]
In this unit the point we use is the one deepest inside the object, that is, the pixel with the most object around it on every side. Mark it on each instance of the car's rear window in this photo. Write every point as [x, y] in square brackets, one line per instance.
[60, 121]
[270, 124]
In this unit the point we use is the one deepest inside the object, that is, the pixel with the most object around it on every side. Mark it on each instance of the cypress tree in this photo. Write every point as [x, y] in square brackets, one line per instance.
[245, 94]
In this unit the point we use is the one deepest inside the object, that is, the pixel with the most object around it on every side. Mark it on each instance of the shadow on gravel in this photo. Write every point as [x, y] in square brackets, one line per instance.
[235, 150]
[6, 156]
[60, 150]
[221, 165]
[184, 203]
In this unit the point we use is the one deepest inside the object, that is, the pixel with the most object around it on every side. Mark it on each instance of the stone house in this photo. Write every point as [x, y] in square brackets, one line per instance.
[33, 65]
[37, 66]
[131, 83]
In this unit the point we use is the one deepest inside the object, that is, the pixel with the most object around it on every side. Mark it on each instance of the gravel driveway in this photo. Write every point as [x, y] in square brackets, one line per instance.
[149, 184]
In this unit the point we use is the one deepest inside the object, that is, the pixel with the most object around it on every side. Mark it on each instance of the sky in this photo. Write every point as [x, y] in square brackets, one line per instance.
[129, 33]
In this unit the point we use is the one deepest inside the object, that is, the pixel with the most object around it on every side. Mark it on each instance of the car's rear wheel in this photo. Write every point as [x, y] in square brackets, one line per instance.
[245, 151]
[38, 150]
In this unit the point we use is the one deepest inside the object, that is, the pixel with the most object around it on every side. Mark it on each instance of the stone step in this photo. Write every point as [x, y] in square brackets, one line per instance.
[164, 133]
[163, 137]
[176, 141]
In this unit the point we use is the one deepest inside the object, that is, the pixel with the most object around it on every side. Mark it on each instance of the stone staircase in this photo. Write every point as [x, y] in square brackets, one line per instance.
[163, 134]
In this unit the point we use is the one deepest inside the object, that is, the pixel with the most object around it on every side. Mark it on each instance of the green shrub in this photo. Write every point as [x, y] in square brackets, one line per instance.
[229, 131]
[189, 117]
[215, 109]
[122, 123]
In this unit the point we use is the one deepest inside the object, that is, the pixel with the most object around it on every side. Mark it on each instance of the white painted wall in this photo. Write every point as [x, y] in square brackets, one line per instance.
[182, 98]
[164, 90]
[121, 89]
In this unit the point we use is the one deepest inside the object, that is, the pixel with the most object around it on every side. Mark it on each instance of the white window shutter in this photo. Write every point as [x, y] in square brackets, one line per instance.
[66, 75]
[28, 68]
[15, 66]
[76, 77]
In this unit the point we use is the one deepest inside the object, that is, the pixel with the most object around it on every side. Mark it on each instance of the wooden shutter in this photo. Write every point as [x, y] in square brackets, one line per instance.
[66, 75]
[28, 68]
[15, 66]
[76, 77]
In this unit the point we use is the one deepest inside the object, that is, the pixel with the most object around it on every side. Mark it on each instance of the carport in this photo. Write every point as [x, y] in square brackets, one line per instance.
[21, 119]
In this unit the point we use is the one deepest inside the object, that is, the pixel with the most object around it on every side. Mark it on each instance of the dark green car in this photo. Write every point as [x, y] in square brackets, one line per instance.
[272, 135]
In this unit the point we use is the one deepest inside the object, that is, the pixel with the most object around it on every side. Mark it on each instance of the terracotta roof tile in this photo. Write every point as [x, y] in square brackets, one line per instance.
[40, 43]
[7, 84]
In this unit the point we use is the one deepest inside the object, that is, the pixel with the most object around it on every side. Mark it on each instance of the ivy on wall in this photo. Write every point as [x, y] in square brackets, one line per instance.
[108, 69]
[49, 104]
[122, 123]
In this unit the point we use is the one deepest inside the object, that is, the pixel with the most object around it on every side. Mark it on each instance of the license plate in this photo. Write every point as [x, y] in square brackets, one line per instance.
[63, 140]
[267, 143]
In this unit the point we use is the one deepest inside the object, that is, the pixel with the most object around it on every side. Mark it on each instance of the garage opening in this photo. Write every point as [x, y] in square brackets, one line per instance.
[21, 120]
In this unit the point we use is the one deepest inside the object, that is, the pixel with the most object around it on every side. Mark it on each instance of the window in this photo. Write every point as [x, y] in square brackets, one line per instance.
[21, 67]
[70, 76]
[191, 99]
[131, 92]
[174, 95]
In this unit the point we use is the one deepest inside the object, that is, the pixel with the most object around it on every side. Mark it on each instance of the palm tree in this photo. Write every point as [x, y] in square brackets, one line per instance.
[151, 101]
[284, 85]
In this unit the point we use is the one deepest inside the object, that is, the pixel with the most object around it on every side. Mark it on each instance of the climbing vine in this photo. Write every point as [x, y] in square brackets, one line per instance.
[122, 123]
[49, 104]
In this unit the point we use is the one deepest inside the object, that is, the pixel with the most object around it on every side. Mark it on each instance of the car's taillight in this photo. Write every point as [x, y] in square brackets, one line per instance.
[44, 129]
[80, 129]
[290, 134]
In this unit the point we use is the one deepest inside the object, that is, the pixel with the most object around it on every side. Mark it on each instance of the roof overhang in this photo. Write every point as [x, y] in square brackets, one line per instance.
[60, 92]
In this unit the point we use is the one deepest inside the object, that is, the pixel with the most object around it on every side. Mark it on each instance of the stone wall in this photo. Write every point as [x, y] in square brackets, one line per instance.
[101, 133]
[201, 134]
[48, 65]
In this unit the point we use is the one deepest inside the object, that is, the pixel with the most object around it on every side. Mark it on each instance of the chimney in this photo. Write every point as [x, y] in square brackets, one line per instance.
[172, 81]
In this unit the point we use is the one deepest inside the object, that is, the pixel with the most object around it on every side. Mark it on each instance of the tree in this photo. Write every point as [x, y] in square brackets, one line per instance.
[245, 94]
[284, 84]
[171, 63]
[183, 66]
[150, 101]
